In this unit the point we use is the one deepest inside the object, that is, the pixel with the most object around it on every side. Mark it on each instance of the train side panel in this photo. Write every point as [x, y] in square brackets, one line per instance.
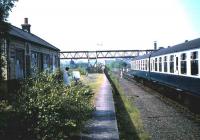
[141, 74]
[181, 82]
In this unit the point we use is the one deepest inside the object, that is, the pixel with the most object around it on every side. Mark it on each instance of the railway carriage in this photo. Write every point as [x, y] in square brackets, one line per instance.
[177, 66]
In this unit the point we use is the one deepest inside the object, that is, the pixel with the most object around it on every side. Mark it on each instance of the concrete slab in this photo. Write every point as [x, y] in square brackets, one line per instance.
[103, 125]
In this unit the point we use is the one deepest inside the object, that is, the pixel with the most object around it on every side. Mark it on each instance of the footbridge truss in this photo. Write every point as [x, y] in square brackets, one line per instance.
[102, 54]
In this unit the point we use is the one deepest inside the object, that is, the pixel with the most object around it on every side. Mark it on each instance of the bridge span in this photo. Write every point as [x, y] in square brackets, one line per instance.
[102, 54]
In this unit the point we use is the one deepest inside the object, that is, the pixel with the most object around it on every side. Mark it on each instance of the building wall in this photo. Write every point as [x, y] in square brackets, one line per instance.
[25, 58]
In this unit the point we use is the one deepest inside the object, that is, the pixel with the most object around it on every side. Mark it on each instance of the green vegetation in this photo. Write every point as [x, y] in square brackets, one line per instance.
[5, 7]
[46, 109]
[94, 81]
[117, 64]
[128, 117]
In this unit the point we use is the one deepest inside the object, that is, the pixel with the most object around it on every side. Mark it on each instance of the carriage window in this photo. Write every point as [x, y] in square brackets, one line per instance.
[139, 65]
[147, 64]
[194, 63]
[176, 63]
[156, 64]
[150, 65]
[171, 63]
[183, 64]
[165, 64]
[160, 64]
[143, 64]
[153, 66]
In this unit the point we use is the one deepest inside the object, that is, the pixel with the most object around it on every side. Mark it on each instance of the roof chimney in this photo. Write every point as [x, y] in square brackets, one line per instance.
[26, 27]
[155, 45]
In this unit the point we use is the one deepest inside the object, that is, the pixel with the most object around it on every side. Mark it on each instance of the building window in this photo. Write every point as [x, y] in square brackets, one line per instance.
[160, 64]
[19, 65]
[183, 63]
[34, 62]
[156, 64]
[194, 63]
[46, 62]
[165, 64]
[171, 63]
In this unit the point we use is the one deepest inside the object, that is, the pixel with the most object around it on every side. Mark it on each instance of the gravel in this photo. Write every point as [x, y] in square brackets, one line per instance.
[162, 118]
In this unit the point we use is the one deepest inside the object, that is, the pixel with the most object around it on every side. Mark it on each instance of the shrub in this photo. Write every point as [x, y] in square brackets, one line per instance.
[52, 110]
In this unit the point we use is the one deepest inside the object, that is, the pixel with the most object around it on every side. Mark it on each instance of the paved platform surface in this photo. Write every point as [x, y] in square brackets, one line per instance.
[103, 125]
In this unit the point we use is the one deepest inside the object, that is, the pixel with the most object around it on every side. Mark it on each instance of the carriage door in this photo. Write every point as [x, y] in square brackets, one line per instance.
[177, 70]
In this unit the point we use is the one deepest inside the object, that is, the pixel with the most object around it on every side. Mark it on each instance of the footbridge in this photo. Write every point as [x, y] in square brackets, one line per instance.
[102, 54]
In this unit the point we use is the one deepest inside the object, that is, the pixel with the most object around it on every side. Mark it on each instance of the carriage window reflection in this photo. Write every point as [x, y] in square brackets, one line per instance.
[160, 64]
[194, 63]
[171, 63]
[146, 64]
[156, 64]
[165, 64]
[183, 63]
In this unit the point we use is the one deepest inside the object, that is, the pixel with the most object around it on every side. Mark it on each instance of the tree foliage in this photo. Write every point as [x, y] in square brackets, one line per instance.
[5, 8]
[46, 109]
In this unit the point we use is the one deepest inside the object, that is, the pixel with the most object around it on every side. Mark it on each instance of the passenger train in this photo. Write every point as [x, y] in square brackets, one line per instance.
[177, 66]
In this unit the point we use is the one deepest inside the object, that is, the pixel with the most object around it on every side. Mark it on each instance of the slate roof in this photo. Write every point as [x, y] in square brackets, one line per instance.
[17, 32]
[193, 44]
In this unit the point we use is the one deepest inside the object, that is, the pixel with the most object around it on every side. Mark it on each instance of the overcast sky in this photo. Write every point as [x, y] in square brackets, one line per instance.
[110, 24]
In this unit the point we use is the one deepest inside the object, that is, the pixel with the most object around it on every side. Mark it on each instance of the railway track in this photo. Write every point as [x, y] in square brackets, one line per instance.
[183, 98]
[162, 118]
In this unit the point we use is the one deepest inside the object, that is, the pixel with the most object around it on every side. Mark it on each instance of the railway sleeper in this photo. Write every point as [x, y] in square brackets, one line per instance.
[182, 97]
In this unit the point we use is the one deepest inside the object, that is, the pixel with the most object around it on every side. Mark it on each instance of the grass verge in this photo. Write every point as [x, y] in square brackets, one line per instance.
[128, 117]
[94, 81]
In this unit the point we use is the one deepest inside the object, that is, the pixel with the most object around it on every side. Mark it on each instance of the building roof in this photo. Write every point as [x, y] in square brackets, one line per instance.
[17, 32]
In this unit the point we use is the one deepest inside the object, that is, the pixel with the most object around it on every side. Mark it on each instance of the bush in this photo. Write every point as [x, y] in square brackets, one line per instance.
[52, 110]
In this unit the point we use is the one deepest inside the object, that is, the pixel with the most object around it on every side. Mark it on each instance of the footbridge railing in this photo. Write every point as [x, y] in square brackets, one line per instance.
[102, 54]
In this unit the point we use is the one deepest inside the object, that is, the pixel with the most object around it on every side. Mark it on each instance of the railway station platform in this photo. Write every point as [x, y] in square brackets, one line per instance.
[103, 125]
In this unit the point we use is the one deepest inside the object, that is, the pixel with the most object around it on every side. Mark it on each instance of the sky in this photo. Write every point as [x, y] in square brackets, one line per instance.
[75, 25]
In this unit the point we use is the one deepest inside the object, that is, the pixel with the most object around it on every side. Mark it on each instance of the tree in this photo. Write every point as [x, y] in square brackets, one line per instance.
[5, 7]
